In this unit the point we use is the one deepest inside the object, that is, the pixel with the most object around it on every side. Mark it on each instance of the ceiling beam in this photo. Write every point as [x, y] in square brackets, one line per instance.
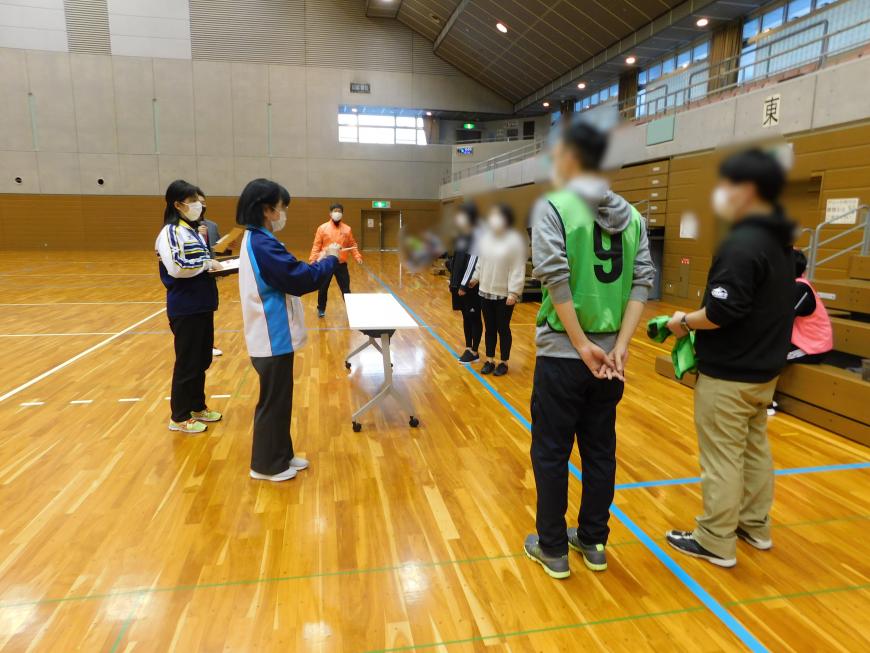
[449, 24]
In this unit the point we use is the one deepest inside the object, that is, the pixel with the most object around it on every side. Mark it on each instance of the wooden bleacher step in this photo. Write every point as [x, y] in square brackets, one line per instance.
[824, 395]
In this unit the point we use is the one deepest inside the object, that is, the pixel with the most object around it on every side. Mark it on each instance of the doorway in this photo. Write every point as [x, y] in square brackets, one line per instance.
[381, 230]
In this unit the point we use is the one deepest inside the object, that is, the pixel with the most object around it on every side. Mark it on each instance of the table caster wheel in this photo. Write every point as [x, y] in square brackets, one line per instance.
[347, 364]
[414, 422]
[357, 427]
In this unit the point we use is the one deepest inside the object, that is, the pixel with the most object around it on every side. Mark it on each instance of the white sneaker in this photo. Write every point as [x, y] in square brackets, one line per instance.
[298, 463]
[286, 475]
[216, 352]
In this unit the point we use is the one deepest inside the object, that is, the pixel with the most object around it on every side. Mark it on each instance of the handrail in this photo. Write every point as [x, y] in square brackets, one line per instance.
[498, 161]
[816, 243]
[726, 69]
[686, 93]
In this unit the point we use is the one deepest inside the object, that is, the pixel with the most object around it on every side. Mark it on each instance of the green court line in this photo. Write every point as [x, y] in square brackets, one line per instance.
[348, 572]
[631, 617]
[545, 629]
[800, 595]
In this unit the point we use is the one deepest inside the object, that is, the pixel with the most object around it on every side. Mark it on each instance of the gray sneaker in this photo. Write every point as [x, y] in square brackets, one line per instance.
[594, 556]
[556, 567]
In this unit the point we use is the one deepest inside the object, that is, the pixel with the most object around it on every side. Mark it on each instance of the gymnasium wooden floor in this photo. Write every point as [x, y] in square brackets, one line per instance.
[117, 535]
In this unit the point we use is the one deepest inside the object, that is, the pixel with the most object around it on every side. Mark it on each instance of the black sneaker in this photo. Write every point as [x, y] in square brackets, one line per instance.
[487, 368]
[501, 370]
[556, 567]
[761, 545]
[321, 312]
[469, 357]
[685, 542]
[594, 556]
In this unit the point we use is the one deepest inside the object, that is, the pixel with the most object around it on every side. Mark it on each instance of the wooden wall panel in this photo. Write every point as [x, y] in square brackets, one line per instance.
[101, 222]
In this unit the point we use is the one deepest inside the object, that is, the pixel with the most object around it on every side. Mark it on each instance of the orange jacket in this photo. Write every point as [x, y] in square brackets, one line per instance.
[329, 233]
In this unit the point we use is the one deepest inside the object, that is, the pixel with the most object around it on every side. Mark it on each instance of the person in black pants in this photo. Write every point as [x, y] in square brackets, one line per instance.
[191, 300]
[271, 282]
[461, 265]
[334, 231]
[500, 275]
[592, 301]
[342, 277]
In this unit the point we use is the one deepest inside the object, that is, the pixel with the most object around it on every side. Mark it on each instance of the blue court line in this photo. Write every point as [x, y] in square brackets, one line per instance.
[721, 613]
[788, 471]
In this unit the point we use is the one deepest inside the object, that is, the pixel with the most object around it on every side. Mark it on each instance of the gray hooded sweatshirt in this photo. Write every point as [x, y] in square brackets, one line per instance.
[550, 258]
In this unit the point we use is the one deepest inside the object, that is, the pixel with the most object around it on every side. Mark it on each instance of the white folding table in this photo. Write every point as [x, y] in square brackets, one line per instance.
[378, 316]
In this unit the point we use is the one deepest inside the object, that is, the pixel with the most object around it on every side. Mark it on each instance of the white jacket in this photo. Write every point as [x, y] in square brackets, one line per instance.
[501, 266]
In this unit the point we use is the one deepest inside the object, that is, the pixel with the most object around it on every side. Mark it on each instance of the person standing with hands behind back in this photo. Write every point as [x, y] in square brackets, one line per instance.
[334, 231]
[743, 336]
[591, 253]
[271, 281]
[191, 301]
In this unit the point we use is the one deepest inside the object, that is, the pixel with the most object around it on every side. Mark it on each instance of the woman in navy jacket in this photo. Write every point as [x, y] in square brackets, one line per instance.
[191, 300]
[271, 280]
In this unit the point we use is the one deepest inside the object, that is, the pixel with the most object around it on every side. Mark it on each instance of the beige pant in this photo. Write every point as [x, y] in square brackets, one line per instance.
[736, 465]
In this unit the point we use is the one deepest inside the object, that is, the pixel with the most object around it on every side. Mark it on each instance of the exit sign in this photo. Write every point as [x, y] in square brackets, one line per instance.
[357, 87]
[380, 204]
[469, 125]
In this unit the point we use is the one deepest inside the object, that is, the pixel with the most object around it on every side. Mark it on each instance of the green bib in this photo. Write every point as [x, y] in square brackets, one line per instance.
[602, 266]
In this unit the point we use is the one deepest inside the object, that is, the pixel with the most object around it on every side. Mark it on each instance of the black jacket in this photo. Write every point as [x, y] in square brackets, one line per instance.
[461, 263]
[750, 295]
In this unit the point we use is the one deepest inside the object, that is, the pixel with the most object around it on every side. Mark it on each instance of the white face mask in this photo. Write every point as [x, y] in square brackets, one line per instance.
[194, 210]
[336, 216]
[280, 223]
[722, 205]
[497, 222]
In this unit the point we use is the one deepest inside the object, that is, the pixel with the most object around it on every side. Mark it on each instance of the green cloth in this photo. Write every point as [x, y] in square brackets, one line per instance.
[601, 264]
[683, 352]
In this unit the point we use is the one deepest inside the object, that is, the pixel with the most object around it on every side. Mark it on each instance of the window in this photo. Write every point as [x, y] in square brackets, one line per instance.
[668, 66]
[614, 90]
[380, 128]
[701, 51]
[750, 29]
[799, 8]
[684, 59]
[772, 19]
[598, 97]
[655, 72]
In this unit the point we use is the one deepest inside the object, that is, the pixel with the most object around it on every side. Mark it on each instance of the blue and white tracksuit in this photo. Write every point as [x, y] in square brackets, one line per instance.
[271, 280]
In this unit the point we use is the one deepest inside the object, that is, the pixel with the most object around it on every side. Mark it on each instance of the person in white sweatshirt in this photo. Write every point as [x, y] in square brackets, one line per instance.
[500, 275]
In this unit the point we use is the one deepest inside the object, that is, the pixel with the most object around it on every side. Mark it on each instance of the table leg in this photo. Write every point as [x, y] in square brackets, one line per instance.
[386, 388]
[371, 342]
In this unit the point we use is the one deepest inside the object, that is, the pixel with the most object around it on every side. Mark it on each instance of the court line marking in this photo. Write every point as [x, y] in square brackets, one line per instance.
[77, 357]
[57, 335]
[221, 396]
[32, 403]
[129, 400]
[398, 567]
[79, 303]
[634, 617]
[82, 401]
[727, 619]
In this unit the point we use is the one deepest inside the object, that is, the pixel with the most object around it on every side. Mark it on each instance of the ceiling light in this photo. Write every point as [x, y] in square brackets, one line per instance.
[581, 85]
[631, 60]
[501, 27]
[428, 113]
[702, 22]
[546, 104]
